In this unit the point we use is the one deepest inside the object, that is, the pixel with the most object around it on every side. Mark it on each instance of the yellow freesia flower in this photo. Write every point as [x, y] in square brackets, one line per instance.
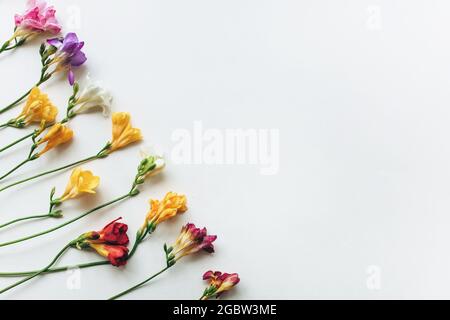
[38, 108]
[123, 133]
[56, 135]
[80, 182]
[169, 207]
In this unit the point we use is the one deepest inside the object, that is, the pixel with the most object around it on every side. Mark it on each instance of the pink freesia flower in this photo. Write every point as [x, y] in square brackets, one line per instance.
[39, 17]
[219, 283]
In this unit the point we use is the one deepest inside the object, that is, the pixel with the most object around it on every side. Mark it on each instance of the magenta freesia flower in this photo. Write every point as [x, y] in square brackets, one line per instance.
[39, 17]
[219, 283]
[68, 54]
[192, 240]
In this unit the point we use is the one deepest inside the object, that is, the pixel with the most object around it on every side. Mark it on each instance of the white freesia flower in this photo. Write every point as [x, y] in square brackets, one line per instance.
[93, 97]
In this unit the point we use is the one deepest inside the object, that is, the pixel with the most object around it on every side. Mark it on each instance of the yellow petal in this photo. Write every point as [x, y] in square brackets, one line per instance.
[80, 182]
[58, 134]
[169, 207]
[38, 108]
[123, 133]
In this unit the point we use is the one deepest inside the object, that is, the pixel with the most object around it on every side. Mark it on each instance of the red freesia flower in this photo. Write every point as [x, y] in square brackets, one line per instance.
[114, 233]
[110, 242]
[116, 254]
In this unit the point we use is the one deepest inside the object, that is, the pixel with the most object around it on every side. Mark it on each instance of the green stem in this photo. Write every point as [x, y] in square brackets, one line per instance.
[133, 250]
[49, 172]
[12, 105]
[15, 168]
[66, 223]
[19, 100]
[37, 273]
[12, 47]
[55, 270]
[29, 136]
[78, 266]
[7, 47]
[139, 284]
[16, 142]
[24, 219]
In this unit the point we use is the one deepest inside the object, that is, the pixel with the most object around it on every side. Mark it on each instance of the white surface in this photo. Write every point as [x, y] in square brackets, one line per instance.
[362, 107]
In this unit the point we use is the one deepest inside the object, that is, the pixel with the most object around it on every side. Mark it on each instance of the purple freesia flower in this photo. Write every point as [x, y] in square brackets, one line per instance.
[69, 53]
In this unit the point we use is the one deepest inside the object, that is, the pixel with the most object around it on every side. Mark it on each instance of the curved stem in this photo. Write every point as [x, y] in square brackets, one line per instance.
[16, 142]
[48, 172]
[24, 219]
[37, 273]
[65, 268]
[66, 223]
[16, 45]
[55, 270]
[139, 284]
[15, 168]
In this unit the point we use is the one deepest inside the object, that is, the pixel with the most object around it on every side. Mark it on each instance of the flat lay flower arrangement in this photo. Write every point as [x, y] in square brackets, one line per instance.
[44, 130]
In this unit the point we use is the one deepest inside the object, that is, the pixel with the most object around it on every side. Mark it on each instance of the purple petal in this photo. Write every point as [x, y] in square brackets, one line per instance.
[56, 42]
[71, 37]
[71, 77]
[70, 42]
[78, 59]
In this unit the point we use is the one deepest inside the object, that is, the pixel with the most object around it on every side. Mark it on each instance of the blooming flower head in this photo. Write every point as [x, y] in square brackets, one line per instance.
[38, 18]
[38, 109]
[192, 240]
[68, 54]
[114, 233]
[92, 97]
[110, 242]
[123, 133]
[58, 134]
[117, 255]
[219, 283]
[81, 182]
[160, 211]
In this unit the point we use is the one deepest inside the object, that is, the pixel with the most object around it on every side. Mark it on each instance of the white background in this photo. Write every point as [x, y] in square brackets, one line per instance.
[359, 91]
